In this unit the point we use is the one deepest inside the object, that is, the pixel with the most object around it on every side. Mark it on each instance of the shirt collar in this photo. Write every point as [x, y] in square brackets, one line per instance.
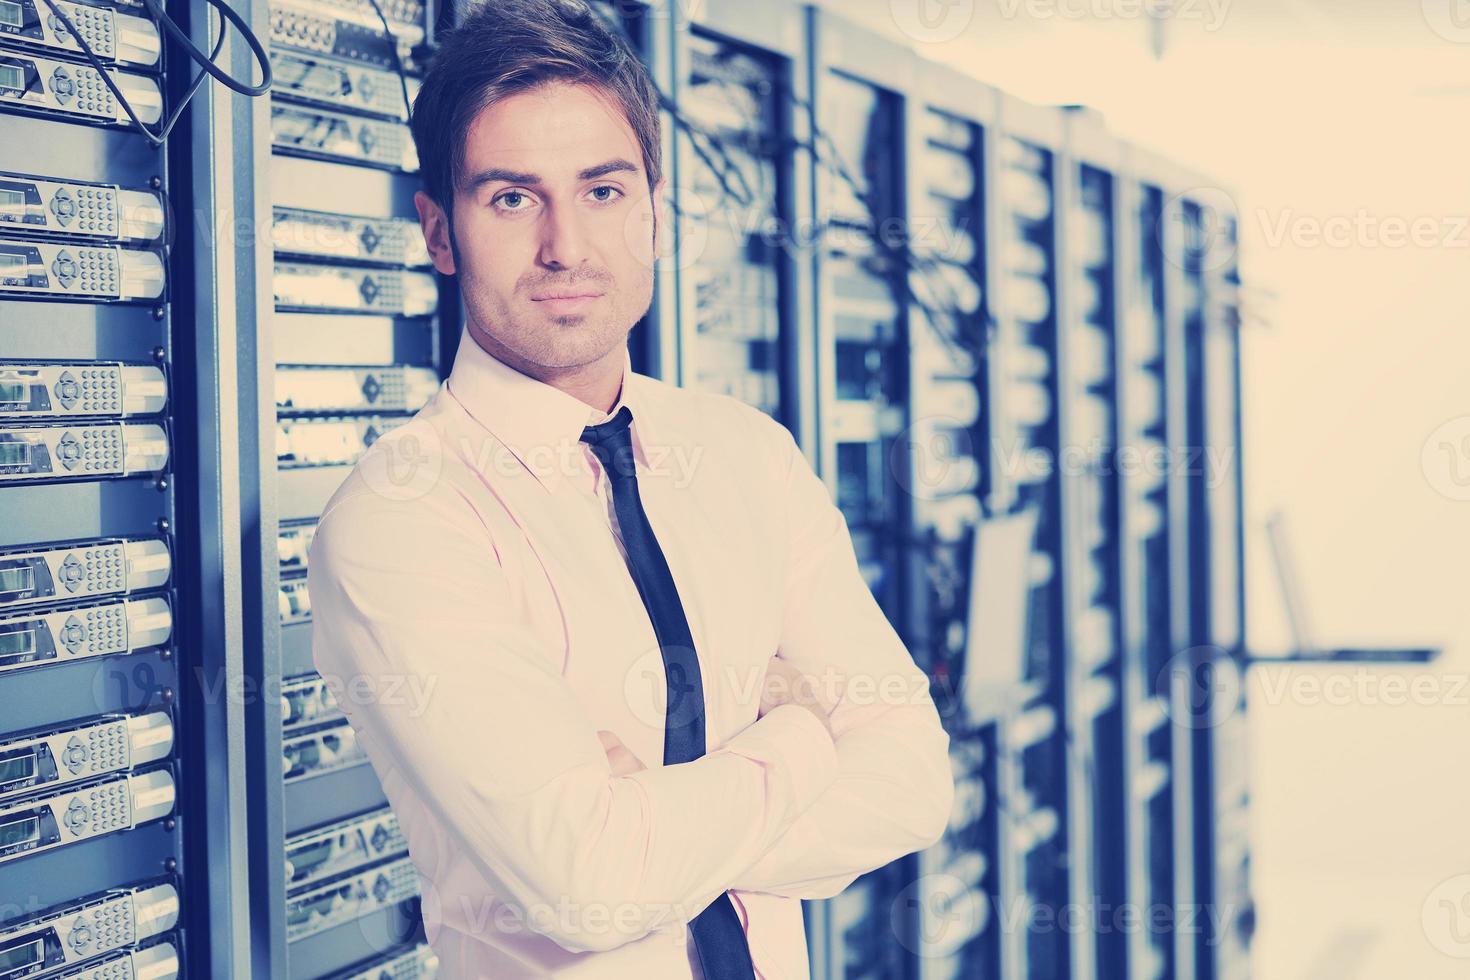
[541, 425]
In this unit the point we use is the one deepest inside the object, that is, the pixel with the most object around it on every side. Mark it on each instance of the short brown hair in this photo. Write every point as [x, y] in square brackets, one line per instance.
[502, 47]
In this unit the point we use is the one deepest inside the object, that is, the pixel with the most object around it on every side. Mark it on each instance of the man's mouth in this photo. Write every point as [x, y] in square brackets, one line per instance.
[566, 300]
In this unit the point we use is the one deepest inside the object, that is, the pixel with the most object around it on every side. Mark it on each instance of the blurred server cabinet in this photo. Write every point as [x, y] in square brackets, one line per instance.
[858, 84]
[96, 790]
[1154, 578]
[1210, 671]
[946, 470]
[1025, 445]
[998, 374]
[1088, 306]
[739, 196]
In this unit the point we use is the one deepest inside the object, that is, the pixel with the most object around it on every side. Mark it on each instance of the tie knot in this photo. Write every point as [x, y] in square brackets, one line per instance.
[612, 442]
[613, 431]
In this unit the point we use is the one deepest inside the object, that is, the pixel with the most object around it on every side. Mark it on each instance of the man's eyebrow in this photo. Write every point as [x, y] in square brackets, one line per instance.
[603, 169]
[493, 174]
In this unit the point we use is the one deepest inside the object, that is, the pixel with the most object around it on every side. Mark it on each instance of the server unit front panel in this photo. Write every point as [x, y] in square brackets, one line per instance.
[93, 775]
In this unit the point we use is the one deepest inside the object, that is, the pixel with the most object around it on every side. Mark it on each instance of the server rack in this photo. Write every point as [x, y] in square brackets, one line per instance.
[1024, 439]
[959, 927]
[1208, 280]
[1088, 301]
[859, 84]
[352, 335]
[742, 191]
[97, 781]
[1158, 853]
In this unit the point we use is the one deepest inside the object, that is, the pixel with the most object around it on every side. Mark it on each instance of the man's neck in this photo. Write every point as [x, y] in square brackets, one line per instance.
[596, 384]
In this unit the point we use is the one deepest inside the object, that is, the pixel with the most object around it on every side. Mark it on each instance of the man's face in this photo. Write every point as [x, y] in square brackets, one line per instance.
[553, 227]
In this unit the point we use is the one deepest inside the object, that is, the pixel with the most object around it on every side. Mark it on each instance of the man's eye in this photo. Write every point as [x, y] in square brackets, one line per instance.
[612, 193]
[510, 201]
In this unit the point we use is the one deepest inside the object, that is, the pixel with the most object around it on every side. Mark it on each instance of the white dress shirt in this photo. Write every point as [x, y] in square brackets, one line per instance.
[478, 624]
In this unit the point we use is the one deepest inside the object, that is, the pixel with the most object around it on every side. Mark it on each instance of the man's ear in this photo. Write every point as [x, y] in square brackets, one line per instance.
[435, 224]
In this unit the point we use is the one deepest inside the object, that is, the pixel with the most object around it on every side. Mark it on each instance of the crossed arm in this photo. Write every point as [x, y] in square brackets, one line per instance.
[797, 809]
[894, 787]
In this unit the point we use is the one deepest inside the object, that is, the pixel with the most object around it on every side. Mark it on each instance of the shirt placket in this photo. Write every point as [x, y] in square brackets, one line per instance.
[600, 490]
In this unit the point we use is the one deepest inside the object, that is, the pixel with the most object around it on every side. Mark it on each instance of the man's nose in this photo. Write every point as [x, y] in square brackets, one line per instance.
[563, 238]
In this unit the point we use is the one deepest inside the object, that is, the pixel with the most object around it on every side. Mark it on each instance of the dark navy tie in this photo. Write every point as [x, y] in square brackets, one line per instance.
[718, 935]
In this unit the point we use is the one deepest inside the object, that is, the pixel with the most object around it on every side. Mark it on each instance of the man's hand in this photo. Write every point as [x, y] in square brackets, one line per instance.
[784, 684]
[619, 756]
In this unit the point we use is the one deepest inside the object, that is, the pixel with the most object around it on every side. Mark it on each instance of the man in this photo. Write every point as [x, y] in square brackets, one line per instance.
[658, 705]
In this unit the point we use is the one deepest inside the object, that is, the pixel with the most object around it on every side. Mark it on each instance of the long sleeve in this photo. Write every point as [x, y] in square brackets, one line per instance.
[500, 750]
[895, 787]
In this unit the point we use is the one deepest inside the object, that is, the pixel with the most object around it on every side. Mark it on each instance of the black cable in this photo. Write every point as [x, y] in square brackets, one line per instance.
[195, 54]
[206, 62]
[397, 61]
[712, 149]
[744, 197]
